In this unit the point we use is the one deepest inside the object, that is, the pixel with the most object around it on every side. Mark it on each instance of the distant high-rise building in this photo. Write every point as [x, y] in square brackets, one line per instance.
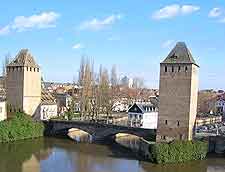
[177, 95]
[124, 81]
[23, 84]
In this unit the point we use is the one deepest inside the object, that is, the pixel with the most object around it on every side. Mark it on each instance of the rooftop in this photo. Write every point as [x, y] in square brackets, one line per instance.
[47, 98]
[180, 54]
[24, 58]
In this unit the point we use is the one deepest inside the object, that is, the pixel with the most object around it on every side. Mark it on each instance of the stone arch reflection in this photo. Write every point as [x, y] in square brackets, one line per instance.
[79, 135]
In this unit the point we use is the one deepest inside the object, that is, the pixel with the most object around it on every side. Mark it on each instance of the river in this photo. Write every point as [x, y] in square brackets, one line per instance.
[64, 155]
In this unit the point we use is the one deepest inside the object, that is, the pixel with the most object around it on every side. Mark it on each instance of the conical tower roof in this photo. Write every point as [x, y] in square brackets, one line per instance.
[25, 59]
[180, 54]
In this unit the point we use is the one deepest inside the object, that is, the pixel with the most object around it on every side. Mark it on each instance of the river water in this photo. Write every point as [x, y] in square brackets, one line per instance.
[64, 155]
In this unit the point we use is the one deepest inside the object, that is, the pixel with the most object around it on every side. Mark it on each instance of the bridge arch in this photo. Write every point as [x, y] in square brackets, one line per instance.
[97, 130]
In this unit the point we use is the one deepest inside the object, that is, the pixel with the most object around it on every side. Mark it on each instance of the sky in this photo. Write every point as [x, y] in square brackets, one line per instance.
[135, 35]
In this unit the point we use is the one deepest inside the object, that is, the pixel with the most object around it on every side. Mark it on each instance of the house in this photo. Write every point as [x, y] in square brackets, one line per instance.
[47, 108]
[3, 112]
[207, 119]
[143, 115]
[220, 105]
[64, 101]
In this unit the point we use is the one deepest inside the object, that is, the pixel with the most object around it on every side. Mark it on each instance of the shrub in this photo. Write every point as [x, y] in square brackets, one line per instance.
[21, 126]
[178, 151]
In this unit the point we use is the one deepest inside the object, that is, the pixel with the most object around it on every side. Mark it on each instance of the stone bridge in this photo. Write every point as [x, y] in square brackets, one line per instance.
[98, 131]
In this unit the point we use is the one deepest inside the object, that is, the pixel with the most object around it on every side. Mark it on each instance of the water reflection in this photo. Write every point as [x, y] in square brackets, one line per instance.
[57, 155]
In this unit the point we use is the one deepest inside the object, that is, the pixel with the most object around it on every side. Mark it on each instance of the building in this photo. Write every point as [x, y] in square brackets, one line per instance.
[3, 113]
[178, 94]
[144, 115]
[64, 101]
[2, 82]
[220, 105]
[208, 119]
[23, 84]
[48, 107]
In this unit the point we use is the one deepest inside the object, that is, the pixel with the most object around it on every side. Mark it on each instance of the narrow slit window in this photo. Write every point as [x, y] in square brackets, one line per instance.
[165, 68]
[178, 68]
[172, 68]
[186, 69]
[166, 122]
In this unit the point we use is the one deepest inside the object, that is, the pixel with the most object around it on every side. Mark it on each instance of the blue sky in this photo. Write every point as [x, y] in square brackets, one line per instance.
[136, 35]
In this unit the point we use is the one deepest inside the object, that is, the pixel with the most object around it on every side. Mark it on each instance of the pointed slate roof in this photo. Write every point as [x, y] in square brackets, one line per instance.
[180, 54]
[24, 58]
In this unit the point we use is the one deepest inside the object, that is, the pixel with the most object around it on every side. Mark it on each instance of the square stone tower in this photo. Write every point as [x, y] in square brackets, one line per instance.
[23, 84]
[178, 94]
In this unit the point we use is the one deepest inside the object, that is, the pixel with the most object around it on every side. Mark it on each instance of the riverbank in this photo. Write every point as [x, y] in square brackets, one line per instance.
[20, 127]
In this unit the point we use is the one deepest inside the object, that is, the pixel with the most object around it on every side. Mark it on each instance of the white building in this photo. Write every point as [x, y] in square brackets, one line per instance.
[47, 108]
[3, 114]
[220, 106]
[48, 111]
[143, 115]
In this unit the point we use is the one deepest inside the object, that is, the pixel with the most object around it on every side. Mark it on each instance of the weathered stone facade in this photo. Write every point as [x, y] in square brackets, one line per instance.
[23, 84]
[177, 95]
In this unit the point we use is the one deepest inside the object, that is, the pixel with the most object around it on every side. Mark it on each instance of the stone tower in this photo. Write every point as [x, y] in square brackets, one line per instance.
[178, 94]
[23, 84]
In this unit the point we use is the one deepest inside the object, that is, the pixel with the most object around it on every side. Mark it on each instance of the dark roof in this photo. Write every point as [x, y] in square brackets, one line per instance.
[180, 54]
[24, 58]
[143, 108]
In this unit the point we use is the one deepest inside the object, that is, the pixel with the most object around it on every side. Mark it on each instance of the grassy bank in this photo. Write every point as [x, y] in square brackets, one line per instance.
[178, 151]
[20, 127]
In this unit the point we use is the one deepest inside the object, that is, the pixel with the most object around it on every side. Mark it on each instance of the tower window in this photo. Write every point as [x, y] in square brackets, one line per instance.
[186, 69]
[178, 123]
[166, 122]
[181, 136]
[27, 69]
[172, 68]
[37, 69]
[178, 68]
[34, 69]
[30, 69]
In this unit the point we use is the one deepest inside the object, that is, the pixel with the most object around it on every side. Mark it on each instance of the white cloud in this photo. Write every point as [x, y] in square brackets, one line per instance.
[188, 9]
[43, 20]
[215, 12]
[174, 10]
[167, 12]
[22, 23]
[78, 46]
[168, 43]
[97, 24]
[5, 30]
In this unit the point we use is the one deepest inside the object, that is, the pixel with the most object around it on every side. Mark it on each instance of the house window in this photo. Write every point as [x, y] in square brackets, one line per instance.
[166, 122]
[164, 137]
[178, 68]
[186, 69]
[165, 68]
[172, 69]
[178, 123]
